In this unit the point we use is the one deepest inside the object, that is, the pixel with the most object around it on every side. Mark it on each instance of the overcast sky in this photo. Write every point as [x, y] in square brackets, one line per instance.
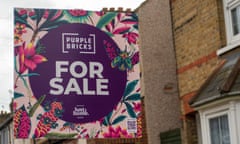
[6, 32]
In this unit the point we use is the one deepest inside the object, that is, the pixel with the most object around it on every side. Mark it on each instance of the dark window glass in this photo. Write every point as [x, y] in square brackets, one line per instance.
[219, 130]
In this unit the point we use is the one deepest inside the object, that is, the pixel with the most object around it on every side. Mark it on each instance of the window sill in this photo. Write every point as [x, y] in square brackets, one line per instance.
[228, 48]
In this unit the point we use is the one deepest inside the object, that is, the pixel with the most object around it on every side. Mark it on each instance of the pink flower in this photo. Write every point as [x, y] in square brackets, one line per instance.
[22, 12]
[31, 13]
[22, 123]
[25, 126]
[28, 58]
[100, 13]
[131, 37]
[137, 107]
[118, 132]
[78, 12]
[46, 14]
[78, 15]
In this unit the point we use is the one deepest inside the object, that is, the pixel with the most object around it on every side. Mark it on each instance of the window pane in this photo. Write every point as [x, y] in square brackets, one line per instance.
[225, 129]
[214, 131]
[219, 130]
[236, 20]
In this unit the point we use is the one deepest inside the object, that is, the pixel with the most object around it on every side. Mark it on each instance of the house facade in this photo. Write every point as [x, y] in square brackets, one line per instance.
[207, 44]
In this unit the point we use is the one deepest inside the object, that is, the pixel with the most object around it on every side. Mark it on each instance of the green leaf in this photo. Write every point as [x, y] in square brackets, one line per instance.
[52, 13]
[18, 95]
[128, 63]
[39, 13]
[133, 97]
[36, 105]
[15, 65]
[24, 81]
[116, 61]
[135, 26]
[130, 87]
[118, 119]
[30, 74]
[105, 122]
[130, 110]
[18, 16]
[109, 34]
[109, 116]
[54, 135]
[134, 16]
[48, 28]
[20, 19]
[105, 19]
[52, 24]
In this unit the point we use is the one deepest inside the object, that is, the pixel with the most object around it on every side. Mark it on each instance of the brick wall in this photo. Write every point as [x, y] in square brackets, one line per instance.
[198, 27]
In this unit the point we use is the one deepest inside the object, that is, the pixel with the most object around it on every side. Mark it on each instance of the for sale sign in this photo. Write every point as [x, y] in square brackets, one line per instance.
[76, 74]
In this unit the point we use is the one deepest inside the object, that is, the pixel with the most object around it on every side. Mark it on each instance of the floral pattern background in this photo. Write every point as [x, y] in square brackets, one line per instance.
[34, 118]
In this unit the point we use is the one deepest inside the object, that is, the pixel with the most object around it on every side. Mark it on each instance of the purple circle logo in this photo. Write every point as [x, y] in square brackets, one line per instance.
[78, 73]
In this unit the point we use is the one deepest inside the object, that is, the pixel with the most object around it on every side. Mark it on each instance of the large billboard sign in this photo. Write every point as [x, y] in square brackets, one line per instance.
[76, 74]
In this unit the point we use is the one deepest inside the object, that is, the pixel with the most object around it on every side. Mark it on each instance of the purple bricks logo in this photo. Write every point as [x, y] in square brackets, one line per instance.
[80, 43]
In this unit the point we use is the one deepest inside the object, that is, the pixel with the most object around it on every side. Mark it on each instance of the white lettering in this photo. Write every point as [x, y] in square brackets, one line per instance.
[85, 88]
[95, 68]
[72, 86]
[60, 68]
[73, 69]
[101, 86]
[56, 84]
[79, 82]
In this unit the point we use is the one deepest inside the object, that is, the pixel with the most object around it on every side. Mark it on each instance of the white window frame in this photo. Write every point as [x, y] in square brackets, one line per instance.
[232, 110]
[232, 41]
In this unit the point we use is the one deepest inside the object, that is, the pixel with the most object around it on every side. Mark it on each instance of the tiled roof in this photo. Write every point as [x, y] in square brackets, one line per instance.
[224, 82]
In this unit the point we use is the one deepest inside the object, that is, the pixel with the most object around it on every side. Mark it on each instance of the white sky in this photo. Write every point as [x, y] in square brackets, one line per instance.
[6, 32]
